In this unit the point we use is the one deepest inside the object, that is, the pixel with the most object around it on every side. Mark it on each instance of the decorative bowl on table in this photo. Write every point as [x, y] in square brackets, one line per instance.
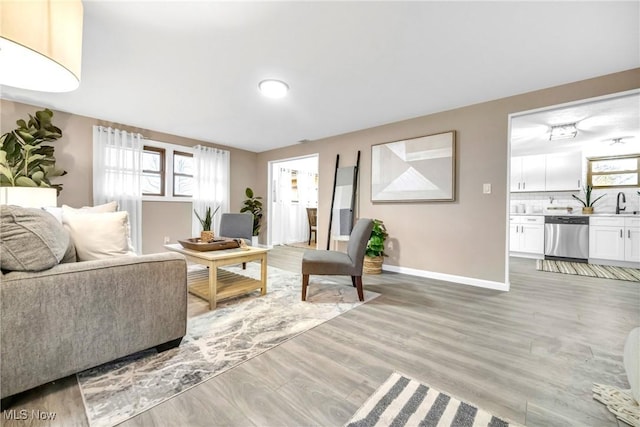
[197, 244]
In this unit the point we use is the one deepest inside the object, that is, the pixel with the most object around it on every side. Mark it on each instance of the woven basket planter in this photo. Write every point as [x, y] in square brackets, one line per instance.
[206, 236]
[372, 265]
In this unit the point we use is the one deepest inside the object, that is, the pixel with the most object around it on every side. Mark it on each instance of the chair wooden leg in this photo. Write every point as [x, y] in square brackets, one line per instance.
[305, 283]
[353, 281]
[358, 280]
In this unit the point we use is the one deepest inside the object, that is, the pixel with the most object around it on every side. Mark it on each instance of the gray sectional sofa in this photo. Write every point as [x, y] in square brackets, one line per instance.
[76, 315]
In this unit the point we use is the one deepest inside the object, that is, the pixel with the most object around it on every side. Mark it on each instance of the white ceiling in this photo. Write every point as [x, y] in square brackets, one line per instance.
[598, 122]
[192, 68]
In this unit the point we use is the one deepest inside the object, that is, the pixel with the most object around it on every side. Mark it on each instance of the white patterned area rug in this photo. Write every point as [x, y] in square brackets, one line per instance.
[236, 331]
[591, 270]
[402, 401]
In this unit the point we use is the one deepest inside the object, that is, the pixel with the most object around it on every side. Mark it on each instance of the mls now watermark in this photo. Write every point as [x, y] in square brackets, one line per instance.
[26, 414]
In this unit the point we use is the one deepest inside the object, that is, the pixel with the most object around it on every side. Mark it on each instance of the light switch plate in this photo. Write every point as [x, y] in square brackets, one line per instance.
[486, 188]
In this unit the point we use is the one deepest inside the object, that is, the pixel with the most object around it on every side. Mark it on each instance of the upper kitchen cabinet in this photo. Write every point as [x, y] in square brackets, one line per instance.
[528, 173]
[564, 171]
[547, 172]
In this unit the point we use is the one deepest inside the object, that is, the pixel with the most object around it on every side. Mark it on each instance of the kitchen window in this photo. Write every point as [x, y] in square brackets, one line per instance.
[614, 171]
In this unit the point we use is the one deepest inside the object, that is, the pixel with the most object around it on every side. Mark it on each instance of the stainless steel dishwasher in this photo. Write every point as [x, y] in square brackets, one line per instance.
[566, 238]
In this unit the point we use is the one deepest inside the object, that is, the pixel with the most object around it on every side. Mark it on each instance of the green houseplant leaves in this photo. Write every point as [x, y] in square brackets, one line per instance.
[375, 246]
[25, 158]
[207, 221]
[587, 202]
[253, 205]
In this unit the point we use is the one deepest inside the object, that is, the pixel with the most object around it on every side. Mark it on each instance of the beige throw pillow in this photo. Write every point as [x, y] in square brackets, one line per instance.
[107, 207]
[98, 235]
[58, 212]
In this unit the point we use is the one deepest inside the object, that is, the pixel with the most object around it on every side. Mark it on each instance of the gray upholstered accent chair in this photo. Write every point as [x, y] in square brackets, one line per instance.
[237, 226]
[322, 262]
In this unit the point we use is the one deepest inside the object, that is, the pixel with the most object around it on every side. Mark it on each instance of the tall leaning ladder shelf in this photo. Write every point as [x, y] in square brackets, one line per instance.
[344, 179]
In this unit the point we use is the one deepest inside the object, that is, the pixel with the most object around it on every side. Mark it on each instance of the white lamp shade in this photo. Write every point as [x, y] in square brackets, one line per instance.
[29, 197]
[41, 44]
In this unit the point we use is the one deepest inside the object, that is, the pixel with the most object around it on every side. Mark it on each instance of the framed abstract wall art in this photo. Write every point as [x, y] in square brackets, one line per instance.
[420, 169]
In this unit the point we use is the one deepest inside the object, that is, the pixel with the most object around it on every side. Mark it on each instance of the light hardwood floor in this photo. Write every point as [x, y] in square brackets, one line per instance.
[530, 355]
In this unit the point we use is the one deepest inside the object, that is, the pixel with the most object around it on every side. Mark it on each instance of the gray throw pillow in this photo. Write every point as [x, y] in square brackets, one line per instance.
[70, 254]
[30, 239]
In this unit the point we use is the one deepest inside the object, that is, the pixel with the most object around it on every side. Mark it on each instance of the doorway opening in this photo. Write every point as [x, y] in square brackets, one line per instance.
[547, 175]
[293, 190]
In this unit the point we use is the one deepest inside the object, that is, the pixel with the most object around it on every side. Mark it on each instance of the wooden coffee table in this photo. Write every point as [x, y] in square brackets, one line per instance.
[214, 284]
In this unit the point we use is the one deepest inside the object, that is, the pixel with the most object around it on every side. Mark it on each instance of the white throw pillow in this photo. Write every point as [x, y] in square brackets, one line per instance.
[107, 207]
[58, 212]
[98, 235]
[55, 211]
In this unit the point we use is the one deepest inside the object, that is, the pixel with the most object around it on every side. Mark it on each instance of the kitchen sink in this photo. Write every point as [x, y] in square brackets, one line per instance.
[615, 214]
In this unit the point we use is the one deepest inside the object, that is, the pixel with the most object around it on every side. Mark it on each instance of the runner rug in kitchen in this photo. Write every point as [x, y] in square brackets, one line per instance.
[591, 270]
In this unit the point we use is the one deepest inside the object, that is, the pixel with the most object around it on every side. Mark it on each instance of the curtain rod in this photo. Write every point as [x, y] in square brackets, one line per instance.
[114, 130]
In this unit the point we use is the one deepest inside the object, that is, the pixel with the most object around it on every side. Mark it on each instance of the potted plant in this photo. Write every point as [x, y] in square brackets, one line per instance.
[254, 206]
[206, 235]
[375, 248]
[587, 203]
[25, 158]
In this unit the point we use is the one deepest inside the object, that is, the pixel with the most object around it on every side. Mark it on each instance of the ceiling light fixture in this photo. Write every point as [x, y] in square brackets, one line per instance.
[565, 131]
[41, 44]
[273, 88]
[619, 140]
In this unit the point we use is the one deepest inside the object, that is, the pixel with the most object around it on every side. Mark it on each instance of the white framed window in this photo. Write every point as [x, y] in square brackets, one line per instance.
[614, 171]
[153, 167]
[167, 172]
[182, 174]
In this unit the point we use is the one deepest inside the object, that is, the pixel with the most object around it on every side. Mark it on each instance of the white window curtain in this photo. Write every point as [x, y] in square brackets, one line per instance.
[117, 168]
[282, 207]
[291, 224]
[211, 172]
[307, 198]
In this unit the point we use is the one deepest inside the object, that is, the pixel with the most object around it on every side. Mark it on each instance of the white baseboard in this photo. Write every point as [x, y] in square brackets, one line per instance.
[526, 255]
[499, 286]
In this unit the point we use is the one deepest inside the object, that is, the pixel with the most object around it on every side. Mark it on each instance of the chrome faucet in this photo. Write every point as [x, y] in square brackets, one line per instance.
[624, 200]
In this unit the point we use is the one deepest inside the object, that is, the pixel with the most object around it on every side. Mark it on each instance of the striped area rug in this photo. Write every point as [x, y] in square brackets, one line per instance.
[591, 270]
[402, 401]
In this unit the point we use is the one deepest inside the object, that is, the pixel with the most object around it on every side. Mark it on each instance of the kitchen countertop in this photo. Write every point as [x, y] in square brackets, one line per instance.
[575, 213]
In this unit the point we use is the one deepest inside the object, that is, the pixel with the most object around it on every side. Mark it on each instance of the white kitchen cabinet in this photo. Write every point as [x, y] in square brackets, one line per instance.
[563, 171]
[614, 238]
[606, 242]
[528, 173]
[632, 239]
[526, 235]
